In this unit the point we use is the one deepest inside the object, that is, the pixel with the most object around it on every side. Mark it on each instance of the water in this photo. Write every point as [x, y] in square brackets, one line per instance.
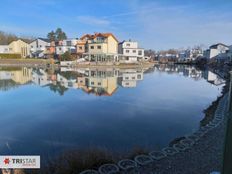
[49, 111]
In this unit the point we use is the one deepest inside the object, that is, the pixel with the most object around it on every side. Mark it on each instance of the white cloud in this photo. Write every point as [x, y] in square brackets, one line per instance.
[92, 20]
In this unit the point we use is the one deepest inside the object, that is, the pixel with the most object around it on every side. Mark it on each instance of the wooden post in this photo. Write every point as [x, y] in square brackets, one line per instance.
[227, 161]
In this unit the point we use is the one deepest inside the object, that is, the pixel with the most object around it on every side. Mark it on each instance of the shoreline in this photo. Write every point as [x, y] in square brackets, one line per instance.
[47, 62]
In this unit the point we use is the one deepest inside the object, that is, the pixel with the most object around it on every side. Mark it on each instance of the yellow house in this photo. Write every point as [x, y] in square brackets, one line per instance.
[19, 47]
[101, 43]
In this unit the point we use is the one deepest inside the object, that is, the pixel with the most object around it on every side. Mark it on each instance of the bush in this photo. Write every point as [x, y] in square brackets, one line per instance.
[10, 56]
[67, 57]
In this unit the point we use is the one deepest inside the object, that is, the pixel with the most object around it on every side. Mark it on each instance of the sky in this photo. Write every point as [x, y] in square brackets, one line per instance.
[155, 24]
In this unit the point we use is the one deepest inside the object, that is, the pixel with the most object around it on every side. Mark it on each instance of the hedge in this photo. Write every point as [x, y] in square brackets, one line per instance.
[10, 56]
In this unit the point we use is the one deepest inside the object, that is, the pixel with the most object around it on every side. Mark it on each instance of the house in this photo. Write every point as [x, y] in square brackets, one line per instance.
[19, 47]
[50, 50]
[101, 47]
[4, 49]
[229, 53]
[38, 47]
[66, 45]
[217, 51]
[131, 51]
[81, 47]
[190, 54]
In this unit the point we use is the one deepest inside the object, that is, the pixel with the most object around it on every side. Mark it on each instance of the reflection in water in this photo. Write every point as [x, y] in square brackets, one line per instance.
[143, 103]
[13, 77]
[97, 81]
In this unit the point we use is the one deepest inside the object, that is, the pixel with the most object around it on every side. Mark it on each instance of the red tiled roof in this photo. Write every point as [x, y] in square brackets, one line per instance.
[89, 36]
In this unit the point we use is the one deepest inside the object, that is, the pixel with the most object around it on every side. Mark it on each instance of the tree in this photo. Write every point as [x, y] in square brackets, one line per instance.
[66, 56]
[51, 36]
[60, 35]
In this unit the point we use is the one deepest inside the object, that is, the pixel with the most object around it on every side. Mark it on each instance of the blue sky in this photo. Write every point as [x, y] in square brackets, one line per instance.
[156, 24]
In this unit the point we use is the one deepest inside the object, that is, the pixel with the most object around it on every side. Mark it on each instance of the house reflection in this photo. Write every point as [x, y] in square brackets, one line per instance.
[97, 81]
[101, 82]
[11, 77]
[192, 72]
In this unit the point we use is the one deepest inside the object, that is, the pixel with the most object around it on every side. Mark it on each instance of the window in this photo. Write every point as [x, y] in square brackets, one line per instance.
[99, 47]
[127, 84]
[60, 49]
[92, 47]
[127, 51]
[134, 51]
[127, 78]
[81, 81]
[40, 46]
[139, 76]
[128, 45]
[31, 46]
[99, 83]
[140, 53]
[92, 83]
[133, 78]
[80, 48]
[69, 43]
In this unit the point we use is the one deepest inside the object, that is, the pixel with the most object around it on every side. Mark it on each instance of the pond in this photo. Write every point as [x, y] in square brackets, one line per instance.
[47, 111]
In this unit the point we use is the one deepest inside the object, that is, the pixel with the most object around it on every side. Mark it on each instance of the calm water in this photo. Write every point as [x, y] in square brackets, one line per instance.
[48, 111]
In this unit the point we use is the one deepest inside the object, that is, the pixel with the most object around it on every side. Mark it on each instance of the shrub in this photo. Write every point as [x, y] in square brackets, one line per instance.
[67, 57]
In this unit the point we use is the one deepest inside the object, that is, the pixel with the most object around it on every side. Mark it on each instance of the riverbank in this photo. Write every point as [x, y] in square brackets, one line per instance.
[25, 62]
[50, 62]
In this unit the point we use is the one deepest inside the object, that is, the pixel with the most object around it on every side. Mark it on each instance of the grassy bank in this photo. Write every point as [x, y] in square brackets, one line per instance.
[24, 62]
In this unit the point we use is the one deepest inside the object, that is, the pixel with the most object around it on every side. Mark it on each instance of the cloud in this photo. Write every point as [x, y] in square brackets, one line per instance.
[181, 26]
[92, 20]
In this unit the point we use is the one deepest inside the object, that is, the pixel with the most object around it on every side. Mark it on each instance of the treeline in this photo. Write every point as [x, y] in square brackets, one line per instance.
[6, 38]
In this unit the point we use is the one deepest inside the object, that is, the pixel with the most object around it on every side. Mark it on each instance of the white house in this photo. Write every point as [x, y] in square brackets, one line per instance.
[4, 49]
[66, 45]
[229, 54]
[190, 54]
[131, 51]
[38, 47]
[217, 51]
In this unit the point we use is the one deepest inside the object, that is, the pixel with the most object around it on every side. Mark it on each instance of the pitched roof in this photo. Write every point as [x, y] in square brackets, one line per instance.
[43, 39]
[215, 45]
[106, 35]
[19, 40]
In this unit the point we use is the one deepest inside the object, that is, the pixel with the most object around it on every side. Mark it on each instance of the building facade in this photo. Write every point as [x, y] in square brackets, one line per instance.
[131, 51]
[68, 45]
[100, 47]
[38, 47]
[217, 51]
[19, 47]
